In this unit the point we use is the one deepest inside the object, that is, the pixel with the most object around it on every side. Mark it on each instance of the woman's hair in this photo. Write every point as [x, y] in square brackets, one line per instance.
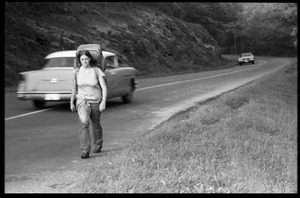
[84, 52]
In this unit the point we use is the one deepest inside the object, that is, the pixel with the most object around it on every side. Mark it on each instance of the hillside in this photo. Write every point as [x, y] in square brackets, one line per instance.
[146, 38]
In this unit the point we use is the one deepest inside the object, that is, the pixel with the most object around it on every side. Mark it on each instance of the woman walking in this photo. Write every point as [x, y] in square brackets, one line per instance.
[89, 91]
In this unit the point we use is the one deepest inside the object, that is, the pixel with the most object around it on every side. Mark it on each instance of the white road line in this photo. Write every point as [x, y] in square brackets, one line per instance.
[155, 86]
[26, 114]
[184, 81]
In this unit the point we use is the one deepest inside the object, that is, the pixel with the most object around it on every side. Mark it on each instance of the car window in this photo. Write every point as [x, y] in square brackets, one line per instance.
[109, 61]
[121, 63]
[247, 54]
[60, 62]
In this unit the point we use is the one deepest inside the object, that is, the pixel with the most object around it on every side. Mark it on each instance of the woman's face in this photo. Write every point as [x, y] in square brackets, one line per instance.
[85, 60]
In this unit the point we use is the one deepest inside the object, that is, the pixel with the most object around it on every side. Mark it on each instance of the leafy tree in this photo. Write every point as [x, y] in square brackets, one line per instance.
[215, 17]
[270, 27]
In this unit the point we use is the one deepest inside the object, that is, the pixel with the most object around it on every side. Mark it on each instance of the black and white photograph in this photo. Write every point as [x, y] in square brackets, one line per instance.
[150, 97]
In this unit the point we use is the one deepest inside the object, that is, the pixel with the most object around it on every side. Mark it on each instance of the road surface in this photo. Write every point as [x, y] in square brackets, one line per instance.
[39, 141]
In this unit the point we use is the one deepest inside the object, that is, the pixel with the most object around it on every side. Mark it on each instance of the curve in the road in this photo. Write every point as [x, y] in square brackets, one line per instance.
[145, 88]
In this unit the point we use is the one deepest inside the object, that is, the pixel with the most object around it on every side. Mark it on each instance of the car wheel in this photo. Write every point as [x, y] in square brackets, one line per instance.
[253, 62]
[240, 63]
[129, 96]
[39, 104]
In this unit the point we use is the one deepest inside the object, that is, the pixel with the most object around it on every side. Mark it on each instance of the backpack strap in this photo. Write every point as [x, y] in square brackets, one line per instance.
[75, 76]
[97, 75]
[96, 72]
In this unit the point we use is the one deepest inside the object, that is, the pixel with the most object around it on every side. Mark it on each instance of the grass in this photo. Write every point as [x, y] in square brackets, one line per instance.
[244, 141]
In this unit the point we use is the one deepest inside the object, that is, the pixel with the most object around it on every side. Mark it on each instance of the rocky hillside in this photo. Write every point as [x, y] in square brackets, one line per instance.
[146, 38]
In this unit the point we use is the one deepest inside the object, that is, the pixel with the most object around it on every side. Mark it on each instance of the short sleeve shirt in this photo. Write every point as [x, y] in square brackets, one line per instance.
[88, 84]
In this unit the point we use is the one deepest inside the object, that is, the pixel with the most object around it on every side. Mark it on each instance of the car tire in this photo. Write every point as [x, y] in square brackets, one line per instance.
[253, 62]
[39, 104]
[129, 96]
[240, 63]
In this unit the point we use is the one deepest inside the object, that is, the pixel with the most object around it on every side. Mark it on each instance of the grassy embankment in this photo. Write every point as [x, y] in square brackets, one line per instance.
[243, 141]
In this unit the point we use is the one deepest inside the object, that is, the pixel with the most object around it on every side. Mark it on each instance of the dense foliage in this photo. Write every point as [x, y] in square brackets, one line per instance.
[214, 17]
[154, 37]
[265, 29]
[262, 28]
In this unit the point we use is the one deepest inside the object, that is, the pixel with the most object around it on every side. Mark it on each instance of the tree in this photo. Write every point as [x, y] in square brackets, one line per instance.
[212, 16]
[270, 28]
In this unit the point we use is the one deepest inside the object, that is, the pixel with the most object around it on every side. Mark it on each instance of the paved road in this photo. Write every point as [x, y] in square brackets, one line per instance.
[47, 140]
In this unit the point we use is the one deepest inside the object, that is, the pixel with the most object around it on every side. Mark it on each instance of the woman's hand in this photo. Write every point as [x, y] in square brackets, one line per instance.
[102, 105]
[72, 107]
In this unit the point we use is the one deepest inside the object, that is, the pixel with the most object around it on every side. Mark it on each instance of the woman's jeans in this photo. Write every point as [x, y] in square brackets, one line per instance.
[84, 135]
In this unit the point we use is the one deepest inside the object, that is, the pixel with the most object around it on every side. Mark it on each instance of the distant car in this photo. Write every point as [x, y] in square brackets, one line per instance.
[246, 58]
[54, 81]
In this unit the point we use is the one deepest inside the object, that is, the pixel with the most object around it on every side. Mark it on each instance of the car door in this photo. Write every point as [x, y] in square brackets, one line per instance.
[125, 76]
[112, 76]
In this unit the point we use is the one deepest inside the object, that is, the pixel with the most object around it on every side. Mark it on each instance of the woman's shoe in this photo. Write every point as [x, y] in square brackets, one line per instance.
[85, 155]
[97, 149]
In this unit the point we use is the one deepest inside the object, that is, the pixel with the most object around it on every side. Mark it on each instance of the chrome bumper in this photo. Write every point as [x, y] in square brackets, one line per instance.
[43, 96]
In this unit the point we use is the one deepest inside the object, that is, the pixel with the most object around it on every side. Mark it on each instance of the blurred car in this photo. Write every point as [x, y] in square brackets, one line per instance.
[54, 81]
[246, 58]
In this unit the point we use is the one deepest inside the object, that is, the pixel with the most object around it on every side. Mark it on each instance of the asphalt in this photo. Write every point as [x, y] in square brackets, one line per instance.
[42, 151]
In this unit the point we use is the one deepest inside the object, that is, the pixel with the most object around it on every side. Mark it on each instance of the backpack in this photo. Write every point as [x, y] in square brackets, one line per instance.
[97, 56]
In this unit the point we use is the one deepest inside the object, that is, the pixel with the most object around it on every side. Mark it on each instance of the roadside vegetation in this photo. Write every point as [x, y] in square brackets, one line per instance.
[244, 141]
[154, 37]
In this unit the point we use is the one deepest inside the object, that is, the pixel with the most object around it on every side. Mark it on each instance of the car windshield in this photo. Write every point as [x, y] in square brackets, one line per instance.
[247, 54]
[60, 62]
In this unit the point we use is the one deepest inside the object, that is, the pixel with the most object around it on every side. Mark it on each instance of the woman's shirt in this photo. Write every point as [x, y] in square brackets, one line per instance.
[88, 86]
